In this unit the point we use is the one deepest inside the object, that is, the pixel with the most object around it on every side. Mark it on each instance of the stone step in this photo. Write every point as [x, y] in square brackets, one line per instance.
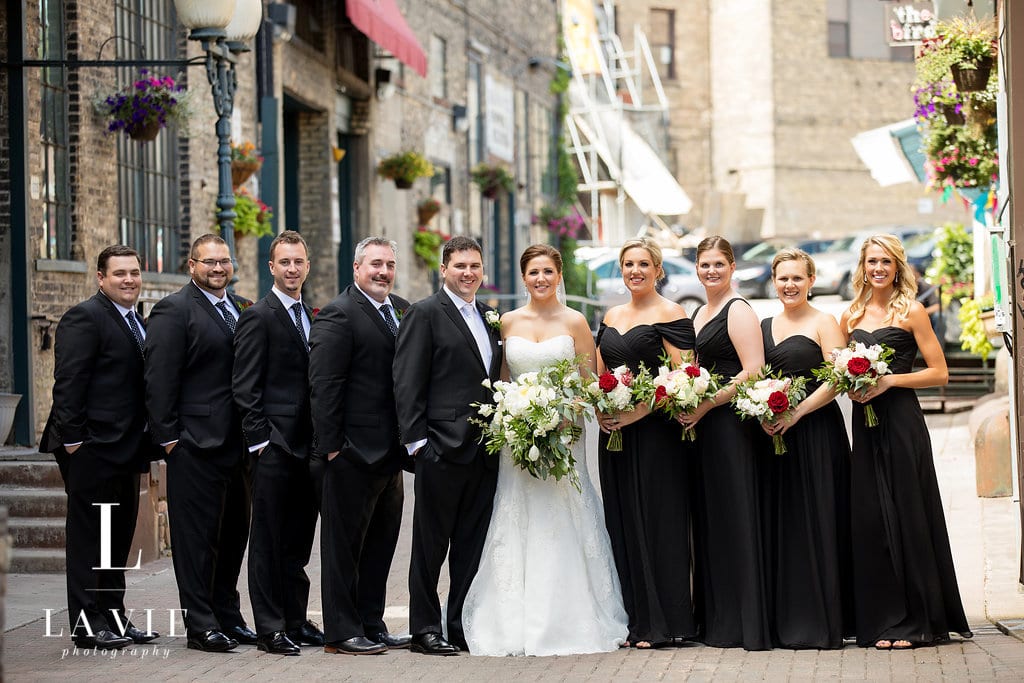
[37, 474]
[34, 502]
[37, 532]
[37, 561]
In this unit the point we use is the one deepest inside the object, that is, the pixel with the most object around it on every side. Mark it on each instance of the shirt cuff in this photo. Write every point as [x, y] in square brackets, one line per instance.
[165, 444]
[415, 446]
[69, 445]
[253, 449]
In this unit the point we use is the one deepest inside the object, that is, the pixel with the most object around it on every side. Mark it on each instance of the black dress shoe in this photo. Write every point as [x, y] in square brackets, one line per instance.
[140, 637]
[277, 643]
[308, 633]
[211, 641]
[432, 644]
[394, 642]
[355, 646]
[103, 640]
[243, 634]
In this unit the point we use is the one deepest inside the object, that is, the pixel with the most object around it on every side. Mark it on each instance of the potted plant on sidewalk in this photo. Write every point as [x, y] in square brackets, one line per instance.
[404, 168]
[142, 108]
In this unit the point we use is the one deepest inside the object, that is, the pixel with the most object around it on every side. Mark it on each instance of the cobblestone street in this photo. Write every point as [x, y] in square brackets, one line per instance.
[984, 564]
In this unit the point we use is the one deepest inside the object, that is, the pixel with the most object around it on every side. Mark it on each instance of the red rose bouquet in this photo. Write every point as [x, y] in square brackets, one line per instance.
[769, 398]
[854, 367]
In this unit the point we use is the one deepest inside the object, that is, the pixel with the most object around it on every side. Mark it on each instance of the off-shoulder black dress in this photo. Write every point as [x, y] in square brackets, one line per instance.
[646, 493]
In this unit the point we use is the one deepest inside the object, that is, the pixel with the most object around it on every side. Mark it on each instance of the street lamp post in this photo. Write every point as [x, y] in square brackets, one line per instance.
[223, 29]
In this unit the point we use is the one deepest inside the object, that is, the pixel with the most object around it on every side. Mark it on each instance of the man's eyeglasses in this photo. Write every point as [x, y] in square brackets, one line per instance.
[211, 262]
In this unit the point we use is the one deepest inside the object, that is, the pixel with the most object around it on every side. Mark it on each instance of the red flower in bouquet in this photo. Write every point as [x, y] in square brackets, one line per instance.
[607, 382]
[660, 394]
[858, 366]
[692, 371]
[778, 402]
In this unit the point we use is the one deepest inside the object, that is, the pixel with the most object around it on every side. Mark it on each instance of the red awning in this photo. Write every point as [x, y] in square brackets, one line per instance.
[383, 23]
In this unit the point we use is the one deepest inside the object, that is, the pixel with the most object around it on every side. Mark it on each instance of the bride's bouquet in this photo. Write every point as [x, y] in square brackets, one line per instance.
[678, 391]
[854, 367]
[768, 398]
[619, 390]
[534, 417]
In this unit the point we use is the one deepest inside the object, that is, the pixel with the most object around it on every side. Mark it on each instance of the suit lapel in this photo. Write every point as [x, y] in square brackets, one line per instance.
[493, 335]
[119, 320]
[205, 304]
[372, 313]
[286, 318]
[456, 315]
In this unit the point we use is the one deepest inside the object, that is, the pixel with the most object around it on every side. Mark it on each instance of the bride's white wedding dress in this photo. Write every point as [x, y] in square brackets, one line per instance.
[547, 583]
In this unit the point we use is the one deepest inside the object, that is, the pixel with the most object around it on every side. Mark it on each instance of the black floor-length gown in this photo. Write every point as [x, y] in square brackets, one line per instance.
[730, 549]
[646, 493]
[808, 510]
[904, 579]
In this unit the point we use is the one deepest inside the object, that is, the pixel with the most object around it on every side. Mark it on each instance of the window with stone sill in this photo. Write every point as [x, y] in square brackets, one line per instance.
[55, 157]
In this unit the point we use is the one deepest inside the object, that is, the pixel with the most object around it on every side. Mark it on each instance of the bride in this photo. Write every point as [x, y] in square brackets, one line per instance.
[547, 583]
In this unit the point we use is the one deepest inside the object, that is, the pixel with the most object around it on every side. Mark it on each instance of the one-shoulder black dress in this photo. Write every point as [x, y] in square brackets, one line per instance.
[646, 493]
[904, 580]
[808, 510]
[730, 549]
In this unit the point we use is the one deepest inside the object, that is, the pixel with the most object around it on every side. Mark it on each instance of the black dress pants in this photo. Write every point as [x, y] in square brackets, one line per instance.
[208, 504]
[280, 540]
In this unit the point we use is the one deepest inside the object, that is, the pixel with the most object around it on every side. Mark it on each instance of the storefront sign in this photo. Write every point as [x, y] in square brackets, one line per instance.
[908, 23]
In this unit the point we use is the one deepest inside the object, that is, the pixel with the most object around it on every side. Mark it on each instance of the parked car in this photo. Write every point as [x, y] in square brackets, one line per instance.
[680, 283]
[754, 267]
[836, 264]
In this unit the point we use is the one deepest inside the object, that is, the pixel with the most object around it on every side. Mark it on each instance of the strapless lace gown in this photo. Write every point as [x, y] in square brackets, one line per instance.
[546, 584]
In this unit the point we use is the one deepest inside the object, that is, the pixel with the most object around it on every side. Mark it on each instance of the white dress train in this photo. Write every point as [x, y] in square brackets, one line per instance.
[547, 583]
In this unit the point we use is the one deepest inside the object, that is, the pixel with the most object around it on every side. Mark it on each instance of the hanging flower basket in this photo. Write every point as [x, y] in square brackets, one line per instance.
[404, 168]
[953, 114]
[426, 210]
[492, 179]
[145, 132]
[972, 80]
[242, 171]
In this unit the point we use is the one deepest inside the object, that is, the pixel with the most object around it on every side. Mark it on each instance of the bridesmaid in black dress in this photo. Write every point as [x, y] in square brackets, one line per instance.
[808, 525]
[904, 580]
[730, 549]
[645, 486]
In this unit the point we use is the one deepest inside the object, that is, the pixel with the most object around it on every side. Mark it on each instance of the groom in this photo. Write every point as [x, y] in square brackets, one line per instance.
[445, 350]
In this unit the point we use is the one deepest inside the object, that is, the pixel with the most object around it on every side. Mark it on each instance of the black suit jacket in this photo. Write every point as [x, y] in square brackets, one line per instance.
[438, 373]
[189, 359]
[98, 390]
[353, 399]
[271, 377]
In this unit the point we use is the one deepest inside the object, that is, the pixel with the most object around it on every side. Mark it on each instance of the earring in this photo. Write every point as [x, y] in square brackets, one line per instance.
[896, 279]
[865, 279]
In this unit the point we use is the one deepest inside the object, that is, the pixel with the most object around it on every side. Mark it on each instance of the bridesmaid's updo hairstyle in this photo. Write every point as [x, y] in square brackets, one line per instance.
[535, 250]
[904, 289]
[716, 242]
[793, 254]
[648, 245]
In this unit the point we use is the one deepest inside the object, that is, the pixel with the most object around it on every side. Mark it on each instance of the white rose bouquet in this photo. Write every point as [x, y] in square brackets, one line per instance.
[534, 417]
[855, 367]
[767, 398]
[680, 390]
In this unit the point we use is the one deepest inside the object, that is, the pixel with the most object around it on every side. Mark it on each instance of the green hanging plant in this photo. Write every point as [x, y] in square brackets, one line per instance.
[253, 217]
[973, 337]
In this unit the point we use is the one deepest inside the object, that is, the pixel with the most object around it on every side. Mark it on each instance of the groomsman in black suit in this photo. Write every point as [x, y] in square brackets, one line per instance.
[97, 430]
[352, 346]
[271, 387]
[445, 350]
[189, 359]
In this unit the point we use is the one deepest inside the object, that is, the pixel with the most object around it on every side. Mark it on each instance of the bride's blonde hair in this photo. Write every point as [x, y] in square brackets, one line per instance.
[904, 289]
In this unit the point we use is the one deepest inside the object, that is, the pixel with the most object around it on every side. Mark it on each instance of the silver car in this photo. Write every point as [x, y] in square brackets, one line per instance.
[680, 285]
[836, 264]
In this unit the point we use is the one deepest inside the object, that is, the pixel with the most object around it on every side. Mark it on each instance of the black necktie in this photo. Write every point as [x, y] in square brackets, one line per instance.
[136, 332]
[385, 310]
[228, 318]
[297, 310]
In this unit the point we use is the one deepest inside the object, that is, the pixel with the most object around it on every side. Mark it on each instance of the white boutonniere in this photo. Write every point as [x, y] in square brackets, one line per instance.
[493, 320]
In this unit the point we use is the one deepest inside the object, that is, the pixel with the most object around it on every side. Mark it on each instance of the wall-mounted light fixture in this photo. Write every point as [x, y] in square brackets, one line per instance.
[282, 15]
[460, 118]
[385, 87]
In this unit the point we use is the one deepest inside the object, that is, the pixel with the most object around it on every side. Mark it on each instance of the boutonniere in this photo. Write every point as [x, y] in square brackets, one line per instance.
[399, 313]
[315, 311]
[242, 304]
[493, 320]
